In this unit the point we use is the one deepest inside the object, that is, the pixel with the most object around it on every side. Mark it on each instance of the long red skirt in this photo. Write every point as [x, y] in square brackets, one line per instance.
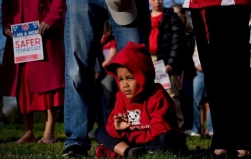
[36, 101]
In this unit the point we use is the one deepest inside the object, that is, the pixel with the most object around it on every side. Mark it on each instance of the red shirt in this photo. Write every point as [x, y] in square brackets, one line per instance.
[154, 33]
[106, 46]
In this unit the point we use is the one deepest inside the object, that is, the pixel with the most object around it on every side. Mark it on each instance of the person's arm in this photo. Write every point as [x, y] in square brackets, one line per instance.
[178, 36]
[57, 11]
[118, 108]
[196, 59]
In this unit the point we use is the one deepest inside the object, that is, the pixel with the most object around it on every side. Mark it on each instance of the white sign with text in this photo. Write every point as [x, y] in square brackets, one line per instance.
[27, 42]
[160, 74]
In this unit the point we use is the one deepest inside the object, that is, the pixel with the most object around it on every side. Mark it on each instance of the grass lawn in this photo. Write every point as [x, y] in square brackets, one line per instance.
[12, 132]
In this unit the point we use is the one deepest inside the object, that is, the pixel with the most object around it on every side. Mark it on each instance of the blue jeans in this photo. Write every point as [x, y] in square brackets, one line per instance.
[198, 91]
[209, 123]
[2, 37]
[83, 31]
[2, 44]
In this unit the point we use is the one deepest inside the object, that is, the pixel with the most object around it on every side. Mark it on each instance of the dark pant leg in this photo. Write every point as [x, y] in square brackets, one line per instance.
[223, 57]
[102, 137]
[174, 141]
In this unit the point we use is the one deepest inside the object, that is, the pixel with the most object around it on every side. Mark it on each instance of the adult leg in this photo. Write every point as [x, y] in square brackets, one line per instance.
[198, 90]
[216, 58]
[51, 118]
[186, 101]
[201, 31]
[83, 31]
[138, 31]
[210, 130]
[174, 94]
[229, 51]
[28, 125]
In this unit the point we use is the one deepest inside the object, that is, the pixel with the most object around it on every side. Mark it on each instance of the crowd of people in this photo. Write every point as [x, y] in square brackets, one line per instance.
[99, 66]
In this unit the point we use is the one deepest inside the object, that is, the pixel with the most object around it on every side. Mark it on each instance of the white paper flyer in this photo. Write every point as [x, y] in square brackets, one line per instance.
[160, 74]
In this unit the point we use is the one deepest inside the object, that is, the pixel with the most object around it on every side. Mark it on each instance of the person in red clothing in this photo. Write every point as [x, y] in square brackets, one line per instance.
[37, 85]
[144, 116]
[222, 37]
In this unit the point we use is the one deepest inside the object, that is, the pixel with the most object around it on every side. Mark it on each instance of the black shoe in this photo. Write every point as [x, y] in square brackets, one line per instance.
[136, 152]
[75, 151]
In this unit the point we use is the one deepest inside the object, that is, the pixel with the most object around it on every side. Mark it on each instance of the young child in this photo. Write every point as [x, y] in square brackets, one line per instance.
[144, 117]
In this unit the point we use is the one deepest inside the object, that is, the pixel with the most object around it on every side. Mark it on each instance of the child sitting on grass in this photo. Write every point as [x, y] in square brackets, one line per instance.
[144, 117]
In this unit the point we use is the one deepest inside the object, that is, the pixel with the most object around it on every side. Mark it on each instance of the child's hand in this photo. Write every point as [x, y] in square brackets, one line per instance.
[121, 122]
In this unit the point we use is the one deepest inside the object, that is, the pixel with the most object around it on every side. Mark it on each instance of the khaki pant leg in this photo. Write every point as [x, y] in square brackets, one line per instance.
[174, 93]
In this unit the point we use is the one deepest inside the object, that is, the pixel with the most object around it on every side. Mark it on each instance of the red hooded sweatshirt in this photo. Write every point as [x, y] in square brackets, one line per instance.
[151, 110]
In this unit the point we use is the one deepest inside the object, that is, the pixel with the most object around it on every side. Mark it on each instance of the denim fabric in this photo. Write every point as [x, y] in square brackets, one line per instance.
[209, 123]
[83, 31]
[2, 37]
[198, 91]
[2, 44]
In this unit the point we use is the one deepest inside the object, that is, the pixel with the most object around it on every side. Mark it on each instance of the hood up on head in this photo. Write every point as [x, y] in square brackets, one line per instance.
[137, 60]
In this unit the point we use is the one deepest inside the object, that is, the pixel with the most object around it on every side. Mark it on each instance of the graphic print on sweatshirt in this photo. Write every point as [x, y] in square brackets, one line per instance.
[134, 117]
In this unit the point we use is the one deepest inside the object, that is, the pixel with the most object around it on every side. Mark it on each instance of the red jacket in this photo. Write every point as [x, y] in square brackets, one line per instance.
[151, 109]
[211, 3]
[44, 75]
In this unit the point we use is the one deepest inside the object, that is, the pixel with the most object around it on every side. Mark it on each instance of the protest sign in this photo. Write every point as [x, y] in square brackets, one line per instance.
[160, 74]
[27, 42]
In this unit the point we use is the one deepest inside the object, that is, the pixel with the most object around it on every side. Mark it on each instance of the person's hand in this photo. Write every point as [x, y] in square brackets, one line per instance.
[168, 68]
[97, 74]
[199, 68]
[121, 122]
[43, 26]
[8, 32]
[104, 63]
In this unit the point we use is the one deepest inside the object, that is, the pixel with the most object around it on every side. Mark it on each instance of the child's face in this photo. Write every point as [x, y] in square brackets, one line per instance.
[156, 5]
[127, 84]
